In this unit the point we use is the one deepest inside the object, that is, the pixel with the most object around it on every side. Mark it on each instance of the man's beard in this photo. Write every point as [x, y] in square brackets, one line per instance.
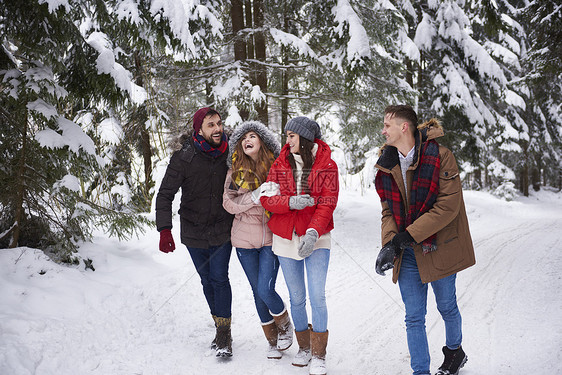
[212, 142]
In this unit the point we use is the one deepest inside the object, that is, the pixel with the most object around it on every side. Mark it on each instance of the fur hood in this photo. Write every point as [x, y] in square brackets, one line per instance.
[178, 141]
[431, 129]
[268, 138]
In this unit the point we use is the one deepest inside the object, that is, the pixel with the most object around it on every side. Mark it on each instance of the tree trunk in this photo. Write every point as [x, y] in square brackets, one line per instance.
[261, 71]
[142, 118]
[20, 190]
[536, 179]
[524, 180]
[478, 177]
[249, 24]
[536, 173]
[284, 85]
[237, 19]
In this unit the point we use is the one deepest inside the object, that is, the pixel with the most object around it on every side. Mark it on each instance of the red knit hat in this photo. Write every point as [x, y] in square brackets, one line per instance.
[199, 116]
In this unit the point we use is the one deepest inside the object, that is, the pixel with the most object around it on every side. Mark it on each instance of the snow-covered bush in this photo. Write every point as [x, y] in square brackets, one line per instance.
[506, 191]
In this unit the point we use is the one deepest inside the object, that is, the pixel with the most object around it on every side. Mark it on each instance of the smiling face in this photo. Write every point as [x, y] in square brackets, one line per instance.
[293, 140]
[251, 144]
[394, 129]
[212, 130]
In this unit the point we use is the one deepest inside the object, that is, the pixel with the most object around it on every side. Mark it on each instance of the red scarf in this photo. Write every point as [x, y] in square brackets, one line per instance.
[204, 146]
[425, 188]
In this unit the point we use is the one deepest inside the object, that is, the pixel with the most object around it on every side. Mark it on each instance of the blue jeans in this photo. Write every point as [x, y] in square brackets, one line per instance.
[261, 267]
[316, 272]
[212, 266]
[414, 295]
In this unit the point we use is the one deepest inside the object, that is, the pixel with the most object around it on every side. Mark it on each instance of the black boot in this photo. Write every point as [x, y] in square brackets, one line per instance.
[224, 338]
[454, 360]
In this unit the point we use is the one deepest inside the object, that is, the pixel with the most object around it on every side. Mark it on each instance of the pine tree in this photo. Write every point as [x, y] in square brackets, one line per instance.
[457, 79]
[66, 73]
[543, 66]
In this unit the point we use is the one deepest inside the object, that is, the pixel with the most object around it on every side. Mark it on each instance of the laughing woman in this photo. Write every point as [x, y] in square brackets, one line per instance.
[253, 149]
[301, 223]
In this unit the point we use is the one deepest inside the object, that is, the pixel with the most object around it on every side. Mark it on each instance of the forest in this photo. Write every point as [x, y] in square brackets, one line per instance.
[92, 91]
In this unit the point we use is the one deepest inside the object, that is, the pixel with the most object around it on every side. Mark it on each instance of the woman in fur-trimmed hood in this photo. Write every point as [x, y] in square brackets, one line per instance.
[253, 148]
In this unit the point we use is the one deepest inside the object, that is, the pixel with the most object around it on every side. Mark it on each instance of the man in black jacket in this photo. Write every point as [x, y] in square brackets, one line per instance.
[198, 166]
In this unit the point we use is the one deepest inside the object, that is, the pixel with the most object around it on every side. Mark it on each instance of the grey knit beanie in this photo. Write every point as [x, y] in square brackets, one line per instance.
[305, 127]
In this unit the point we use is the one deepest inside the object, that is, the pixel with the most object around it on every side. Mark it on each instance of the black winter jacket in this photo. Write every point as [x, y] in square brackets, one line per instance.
[204, 221]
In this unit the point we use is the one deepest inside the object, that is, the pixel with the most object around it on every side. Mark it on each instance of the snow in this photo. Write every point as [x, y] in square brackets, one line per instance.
[72, 136]
[498, 169]
[143, 312]
[425, 32]
[514, 100]
[177, 13]
[128, 10]
[53, 5]
[111, 131]
[106, 64]
[43, 108]
[70, 182]
[408, 46]
[233, 117]
[287, 39]
[358, 45]
[232, 86]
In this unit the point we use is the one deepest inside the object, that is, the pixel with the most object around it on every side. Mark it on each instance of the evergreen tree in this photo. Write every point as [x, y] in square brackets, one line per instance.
[457, 79]
[67, 90]
[543, 66]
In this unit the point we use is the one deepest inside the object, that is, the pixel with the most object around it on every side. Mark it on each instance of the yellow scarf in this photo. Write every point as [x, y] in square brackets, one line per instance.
[253, 182]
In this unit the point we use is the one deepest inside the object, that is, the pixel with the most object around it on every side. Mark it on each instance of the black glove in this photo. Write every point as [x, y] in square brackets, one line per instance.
[403, 240]
[385, 260]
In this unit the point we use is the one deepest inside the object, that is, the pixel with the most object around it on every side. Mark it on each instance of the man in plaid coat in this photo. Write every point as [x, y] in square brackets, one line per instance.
[425, 230]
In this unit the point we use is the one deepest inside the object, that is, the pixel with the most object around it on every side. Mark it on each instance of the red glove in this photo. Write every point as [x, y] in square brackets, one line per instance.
[167, 244]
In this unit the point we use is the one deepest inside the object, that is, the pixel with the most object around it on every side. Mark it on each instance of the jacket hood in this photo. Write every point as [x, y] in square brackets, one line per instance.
[431, 129]
[177, 142]
[268, 138]
[323, 155]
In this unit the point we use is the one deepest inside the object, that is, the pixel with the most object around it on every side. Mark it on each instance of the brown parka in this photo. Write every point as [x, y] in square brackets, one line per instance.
[447, 217]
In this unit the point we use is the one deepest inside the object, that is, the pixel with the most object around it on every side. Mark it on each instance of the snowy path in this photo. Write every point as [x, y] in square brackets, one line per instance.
[143, 312]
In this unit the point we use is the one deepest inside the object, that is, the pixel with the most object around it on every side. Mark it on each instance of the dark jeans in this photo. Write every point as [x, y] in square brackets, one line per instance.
[261, 267]
[212, 266]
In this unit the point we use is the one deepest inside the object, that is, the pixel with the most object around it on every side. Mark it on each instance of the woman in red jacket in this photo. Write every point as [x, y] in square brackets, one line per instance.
[301, 223]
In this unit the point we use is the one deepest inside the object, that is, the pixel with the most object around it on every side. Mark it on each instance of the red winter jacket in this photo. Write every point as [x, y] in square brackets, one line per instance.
[324, 187]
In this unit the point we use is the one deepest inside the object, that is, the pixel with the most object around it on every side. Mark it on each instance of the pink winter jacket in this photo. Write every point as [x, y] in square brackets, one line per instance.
[249, 229]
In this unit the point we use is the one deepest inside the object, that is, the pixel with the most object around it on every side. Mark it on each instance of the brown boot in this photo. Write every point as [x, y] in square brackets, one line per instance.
[270, 331]
[285, 330]
[214, 342]
[302, 358]
[318, 342]
[224, 337]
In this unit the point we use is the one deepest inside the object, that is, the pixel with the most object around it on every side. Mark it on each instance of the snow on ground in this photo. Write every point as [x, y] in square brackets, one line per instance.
[143, 312]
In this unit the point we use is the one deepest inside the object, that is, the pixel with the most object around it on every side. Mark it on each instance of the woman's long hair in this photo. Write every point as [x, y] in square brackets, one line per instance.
[252, 172]
[305, 151]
